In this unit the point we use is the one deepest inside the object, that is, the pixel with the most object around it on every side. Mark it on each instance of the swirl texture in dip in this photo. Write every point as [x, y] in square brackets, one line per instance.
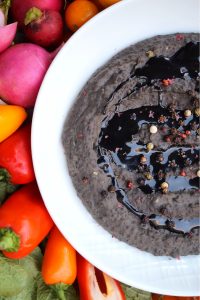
[132, 145]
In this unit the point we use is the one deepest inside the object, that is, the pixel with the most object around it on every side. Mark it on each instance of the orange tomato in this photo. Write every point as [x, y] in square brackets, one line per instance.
[78, 13]
[96, 2]
[106, 3]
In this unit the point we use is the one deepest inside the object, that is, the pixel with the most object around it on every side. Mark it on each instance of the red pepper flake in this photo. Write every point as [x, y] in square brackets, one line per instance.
[167, 82]
[183, 135]
[189, 235]
[84, 93]
[79, 135]
[182, 173]
[129, 185]
[180, 37]
[85, 180]
[144, 219]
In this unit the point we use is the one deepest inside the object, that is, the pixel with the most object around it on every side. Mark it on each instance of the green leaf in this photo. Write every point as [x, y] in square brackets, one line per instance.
[45, 292]
[3, 193]
[32, 263]
[29, 267]
[135, 294]
[22, 280]
[6, 187]
[13, 278]
[29, 293]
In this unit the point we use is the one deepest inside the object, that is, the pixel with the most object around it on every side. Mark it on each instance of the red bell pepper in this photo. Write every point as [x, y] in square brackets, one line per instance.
[24, 222]
[15, 156]
[92, 288]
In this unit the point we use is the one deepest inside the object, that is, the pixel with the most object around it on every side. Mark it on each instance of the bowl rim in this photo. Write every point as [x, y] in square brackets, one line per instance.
[47, 147]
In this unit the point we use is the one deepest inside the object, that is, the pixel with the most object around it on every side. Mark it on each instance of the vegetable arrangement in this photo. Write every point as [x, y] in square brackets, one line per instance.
[36, 261]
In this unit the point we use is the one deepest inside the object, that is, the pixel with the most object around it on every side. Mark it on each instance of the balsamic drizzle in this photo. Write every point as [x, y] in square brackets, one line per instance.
[185, 62]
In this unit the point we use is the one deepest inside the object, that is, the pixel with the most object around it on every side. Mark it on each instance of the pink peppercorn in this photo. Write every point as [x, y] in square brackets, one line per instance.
[167, 82]
[129, 185]
[179, 37]
[182, 173]
[183, 135]
[187, 132]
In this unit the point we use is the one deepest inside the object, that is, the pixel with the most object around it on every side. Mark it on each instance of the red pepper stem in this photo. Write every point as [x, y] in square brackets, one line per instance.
[9, 240]
[60, 289]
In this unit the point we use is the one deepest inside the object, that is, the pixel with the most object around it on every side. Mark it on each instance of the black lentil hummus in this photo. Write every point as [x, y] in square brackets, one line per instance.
[132, 145]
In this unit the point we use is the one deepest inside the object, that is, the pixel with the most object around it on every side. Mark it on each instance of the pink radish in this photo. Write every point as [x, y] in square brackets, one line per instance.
[20, 7]
[2, 18]
[7, 34]
[4, 8]
[23, 67]
[44, 28]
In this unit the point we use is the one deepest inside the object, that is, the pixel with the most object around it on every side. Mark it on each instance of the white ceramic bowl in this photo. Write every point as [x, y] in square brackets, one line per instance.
[90, 47]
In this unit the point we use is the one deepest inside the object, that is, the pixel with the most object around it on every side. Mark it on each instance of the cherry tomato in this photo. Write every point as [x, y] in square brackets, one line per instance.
[106, 3]
[78, 13]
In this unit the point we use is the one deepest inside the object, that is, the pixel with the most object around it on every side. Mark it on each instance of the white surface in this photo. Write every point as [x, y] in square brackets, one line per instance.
[113, 29]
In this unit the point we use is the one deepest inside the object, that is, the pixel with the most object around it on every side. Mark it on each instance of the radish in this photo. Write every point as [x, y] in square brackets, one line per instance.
[7, 34]
[2, 18]
[44, 28]
[20, 7]
[23, 67]
[4, 8]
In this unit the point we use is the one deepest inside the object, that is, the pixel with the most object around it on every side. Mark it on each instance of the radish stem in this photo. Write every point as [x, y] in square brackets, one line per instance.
[32, 14]
[4, 8]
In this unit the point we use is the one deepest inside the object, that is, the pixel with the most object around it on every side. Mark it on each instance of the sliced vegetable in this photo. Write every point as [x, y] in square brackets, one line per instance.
[15, 156]
[44, 27]
[11, 117]
[20, 7]
[24, 222]
[96, 285]
[59, 263]
[79, 12]
[23, 67]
